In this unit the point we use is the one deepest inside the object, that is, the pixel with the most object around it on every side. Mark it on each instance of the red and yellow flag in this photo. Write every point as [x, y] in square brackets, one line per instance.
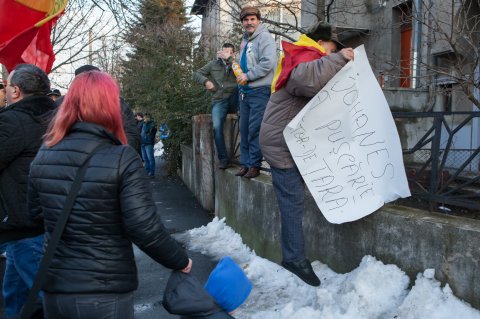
[304, 50]
[25, 27]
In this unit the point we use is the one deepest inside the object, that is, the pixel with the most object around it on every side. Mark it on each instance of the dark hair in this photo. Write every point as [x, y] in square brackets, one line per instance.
[229, 45]
[323, 31]
[86, 68]
[30, 79]
[55, 92]
[139, 114]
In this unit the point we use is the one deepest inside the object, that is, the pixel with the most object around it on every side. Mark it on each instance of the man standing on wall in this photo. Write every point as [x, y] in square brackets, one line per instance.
[217, 77]
[258, 60]
[305, 68]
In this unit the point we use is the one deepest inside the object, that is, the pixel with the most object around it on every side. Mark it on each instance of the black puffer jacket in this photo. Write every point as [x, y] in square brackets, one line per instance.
[22, 125]
[113, 208]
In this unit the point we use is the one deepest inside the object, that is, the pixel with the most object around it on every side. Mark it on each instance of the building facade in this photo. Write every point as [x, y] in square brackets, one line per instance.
[220, 20]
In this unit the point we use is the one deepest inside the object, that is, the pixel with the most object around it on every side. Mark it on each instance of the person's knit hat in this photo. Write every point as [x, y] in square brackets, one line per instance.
[323, 31]
[228, 285]
[55, 92]
[86, 68]
[249, 11]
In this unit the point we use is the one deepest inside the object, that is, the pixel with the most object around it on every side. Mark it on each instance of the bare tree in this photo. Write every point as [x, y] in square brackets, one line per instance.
[110, 54]
[81, 36]
[445, 50]
[286, 19]
[452, 45]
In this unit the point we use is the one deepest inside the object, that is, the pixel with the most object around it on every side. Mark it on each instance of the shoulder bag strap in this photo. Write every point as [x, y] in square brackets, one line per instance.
[55, 237]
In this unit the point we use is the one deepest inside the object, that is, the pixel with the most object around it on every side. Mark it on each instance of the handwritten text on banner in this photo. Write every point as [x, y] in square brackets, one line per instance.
[346, 145]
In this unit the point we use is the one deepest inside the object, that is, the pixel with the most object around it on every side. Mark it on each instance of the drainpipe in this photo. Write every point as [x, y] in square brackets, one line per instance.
[432, 76]
[416, 43]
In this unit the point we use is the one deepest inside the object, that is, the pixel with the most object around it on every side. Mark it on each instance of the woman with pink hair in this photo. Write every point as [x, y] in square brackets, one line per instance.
[93, 272]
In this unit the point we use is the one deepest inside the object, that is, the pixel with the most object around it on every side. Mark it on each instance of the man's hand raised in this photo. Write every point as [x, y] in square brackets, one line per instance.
[347, 53]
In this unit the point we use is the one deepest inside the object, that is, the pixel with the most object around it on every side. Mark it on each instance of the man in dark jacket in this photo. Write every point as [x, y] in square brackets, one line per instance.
[149, 130]
[129, 121]
[316, 62]
[22, 125]
[217, 77]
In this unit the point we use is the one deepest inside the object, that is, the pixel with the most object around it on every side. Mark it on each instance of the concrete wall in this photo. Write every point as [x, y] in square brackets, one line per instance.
[203, 160]
[406, 100]
[412, 239]
[199, 160]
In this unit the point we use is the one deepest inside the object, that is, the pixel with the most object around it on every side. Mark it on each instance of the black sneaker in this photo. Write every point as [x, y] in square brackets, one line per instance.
[303, 269]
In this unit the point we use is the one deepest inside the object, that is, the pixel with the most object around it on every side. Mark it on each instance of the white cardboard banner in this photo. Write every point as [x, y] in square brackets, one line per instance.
[346, 145]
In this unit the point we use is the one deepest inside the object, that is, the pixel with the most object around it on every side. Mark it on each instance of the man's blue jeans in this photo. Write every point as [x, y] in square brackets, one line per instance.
[95, 305]
[220, 110]
[290, 192]
[252, 107]
[148, 158]
[23, 260]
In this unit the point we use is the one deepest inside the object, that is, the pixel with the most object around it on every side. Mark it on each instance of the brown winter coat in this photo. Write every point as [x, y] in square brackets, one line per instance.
[305, 81]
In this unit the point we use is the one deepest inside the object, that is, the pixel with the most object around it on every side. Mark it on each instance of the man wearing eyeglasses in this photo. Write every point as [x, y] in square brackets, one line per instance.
[3, 101]
[22, 125]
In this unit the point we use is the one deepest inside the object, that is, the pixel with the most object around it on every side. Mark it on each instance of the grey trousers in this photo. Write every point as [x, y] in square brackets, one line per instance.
[290, 192]
[88, 306]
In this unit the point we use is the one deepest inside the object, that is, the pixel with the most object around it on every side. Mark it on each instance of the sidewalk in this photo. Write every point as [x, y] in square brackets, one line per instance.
[179, 211]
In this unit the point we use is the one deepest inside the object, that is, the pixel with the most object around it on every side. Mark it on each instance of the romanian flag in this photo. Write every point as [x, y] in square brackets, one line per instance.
[304, 50]
[25, 27]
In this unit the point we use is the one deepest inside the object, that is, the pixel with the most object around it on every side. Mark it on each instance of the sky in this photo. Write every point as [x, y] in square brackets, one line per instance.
[372, 290]
[196, 20]
[62, 77]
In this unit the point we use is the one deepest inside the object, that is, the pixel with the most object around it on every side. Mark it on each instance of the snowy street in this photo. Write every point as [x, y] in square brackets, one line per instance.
[373, 290]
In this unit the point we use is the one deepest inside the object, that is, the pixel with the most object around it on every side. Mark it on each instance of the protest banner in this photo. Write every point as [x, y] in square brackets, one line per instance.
[346, 146]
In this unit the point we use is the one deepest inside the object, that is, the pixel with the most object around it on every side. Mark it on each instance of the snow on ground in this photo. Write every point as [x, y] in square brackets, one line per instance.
[158, 149]
[373, 290]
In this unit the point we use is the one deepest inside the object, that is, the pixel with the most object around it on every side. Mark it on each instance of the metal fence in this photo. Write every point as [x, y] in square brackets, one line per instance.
[442, 159]
[441, 156]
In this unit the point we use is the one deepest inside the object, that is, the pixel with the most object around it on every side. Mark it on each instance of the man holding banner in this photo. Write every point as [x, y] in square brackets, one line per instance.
[304, 69]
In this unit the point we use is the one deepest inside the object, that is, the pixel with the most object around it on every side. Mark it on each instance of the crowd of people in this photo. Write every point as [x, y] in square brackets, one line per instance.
[83, 149]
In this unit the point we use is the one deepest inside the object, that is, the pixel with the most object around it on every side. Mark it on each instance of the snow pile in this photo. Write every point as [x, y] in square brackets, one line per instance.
[428, 300]
[158, 149]
[217, 240]
[373, 290]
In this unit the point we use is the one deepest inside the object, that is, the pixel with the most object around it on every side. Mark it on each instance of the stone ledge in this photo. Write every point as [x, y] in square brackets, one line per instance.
[410, 238]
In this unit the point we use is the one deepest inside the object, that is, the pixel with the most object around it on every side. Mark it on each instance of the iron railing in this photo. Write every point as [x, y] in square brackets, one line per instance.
[442, 161]
[441, 156]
